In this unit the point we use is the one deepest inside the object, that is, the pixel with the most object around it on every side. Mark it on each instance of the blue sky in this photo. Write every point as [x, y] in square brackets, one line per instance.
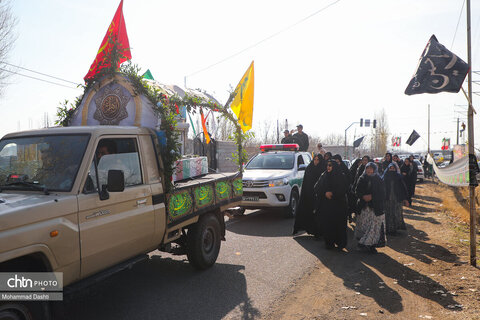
[345, 63]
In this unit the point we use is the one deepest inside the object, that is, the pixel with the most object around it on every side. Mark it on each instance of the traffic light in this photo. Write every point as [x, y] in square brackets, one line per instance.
[374, 124]
[361, 122]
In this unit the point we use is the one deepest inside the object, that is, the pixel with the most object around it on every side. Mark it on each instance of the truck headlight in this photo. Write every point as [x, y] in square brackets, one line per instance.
[278, 182]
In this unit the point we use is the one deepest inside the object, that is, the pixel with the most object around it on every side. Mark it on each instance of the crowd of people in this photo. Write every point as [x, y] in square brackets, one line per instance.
[369, 196]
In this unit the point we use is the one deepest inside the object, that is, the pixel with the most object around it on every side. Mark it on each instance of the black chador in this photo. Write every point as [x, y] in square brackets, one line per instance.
[304, 219]
[331, 190]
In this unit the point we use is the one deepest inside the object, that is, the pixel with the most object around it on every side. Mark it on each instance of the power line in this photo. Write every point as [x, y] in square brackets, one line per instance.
[24, 75]
[458, 23]
[43, 74]
[265, 39]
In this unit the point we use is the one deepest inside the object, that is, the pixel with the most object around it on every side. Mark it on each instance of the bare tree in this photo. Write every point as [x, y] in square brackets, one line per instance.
[266, 131]
[334, 139]
[7, 39]
[224, 129]
[379, 138]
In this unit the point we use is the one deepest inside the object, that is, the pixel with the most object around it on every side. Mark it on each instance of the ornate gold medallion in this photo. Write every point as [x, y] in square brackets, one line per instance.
[111, 105]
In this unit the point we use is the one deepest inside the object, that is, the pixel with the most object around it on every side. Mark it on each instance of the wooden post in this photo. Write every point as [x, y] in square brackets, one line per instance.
[471, 148]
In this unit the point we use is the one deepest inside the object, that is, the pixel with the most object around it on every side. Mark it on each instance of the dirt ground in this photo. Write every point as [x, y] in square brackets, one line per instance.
[423, 273]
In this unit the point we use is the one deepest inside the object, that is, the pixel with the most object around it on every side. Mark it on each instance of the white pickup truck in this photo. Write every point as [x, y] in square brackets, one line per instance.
[273, 178]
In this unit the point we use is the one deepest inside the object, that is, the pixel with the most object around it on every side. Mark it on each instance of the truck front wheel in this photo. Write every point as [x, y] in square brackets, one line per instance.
[203, 242]
[15, 311]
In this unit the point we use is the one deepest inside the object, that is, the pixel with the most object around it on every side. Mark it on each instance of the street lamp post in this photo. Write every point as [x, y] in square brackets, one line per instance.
[346, 152]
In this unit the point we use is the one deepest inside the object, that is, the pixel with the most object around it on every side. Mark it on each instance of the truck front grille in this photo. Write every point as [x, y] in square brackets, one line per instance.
[255, 183]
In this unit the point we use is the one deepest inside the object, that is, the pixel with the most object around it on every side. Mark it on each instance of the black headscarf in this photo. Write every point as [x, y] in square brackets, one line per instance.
[386, 162]
[343, 168]
[394, 180]
[313, 172]
[329, 154]
[371, 185]
[360, 170]
[327, 180]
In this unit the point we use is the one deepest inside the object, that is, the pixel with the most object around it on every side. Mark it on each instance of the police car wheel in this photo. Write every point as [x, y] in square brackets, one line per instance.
[291, 210]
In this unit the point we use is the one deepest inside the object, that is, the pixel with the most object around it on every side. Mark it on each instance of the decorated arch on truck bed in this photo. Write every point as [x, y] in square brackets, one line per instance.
[123, 97]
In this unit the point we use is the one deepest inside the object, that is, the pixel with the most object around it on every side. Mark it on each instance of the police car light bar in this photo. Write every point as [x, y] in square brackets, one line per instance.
[279, 147]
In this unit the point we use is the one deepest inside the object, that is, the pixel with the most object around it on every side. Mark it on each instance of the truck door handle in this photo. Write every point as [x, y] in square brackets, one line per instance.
[141, 202]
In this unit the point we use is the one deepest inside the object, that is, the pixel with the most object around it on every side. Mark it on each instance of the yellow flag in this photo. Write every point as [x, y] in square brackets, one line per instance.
[242, 104]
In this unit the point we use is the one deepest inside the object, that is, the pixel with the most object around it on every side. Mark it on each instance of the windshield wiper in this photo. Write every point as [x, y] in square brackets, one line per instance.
[31, 185]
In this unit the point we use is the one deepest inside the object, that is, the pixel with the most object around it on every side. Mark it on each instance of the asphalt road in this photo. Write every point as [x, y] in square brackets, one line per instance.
[258, 262]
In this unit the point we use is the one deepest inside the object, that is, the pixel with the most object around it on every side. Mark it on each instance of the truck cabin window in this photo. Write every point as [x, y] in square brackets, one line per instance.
[114, 154]
[41, 162]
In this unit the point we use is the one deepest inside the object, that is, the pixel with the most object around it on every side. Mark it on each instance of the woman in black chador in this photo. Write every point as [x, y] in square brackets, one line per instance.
[370, 228]
[410, 178]
[304, 219]
[396, 196]
[330, 191]
[343, 167]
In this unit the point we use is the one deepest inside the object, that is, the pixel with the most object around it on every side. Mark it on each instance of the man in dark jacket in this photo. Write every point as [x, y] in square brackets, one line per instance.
[288, 138]
[301, 138]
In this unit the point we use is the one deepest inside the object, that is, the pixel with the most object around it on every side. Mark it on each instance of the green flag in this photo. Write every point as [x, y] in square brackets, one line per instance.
[148, 75]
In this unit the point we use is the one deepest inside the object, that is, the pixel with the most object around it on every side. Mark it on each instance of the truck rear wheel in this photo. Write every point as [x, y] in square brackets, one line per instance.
[203, 242]
[291, 210]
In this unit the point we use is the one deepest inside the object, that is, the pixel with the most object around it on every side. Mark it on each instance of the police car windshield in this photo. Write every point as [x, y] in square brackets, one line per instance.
[272, 161]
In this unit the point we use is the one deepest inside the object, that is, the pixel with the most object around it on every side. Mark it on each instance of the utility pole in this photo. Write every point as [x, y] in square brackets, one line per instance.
[471, 148]
[458, 128]
[428, 147]
[278, 133]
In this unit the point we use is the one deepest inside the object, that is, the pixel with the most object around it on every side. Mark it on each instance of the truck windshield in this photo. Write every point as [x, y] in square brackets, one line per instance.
[41, 162]
[272, 161]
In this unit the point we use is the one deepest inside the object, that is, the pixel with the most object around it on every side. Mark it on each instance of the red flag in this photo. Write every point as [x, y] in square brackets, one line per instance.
[205, 132]
[117, 32]
[178, 110]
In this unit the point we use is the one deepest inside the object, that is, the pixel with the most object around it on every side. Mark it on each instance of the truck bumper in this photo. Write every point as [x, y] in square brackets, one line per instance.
[271, 197]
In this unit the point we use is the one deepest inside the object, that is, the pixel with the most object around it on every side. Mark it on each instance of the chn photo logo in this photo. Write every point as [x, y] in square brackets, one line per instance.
[17, 282]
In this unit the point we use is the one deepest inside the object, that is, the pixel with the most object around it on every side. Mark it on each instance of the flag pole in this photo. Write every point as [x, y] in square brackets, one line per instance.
[471, 150]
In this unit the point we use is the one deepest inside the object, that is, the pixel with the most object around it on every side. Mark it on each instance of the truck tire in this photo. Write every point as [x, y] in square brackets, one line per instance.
[203, 242]
[291, 210]
[24, 311]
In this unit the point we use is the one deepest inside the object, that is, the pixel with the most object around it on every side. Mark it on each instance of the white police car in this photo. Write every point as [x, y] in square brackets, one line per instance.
[273, 178]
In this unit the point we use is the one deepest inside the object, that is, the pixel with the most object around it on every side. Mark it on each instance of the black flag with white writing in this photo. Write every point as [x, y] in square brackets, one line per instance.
[413, 137]
[439, 70]
[357, 142]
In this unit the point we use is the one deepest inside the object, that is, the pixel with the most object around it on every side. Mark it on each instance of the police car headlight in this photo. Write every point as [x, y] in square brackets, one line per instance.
[278, 182]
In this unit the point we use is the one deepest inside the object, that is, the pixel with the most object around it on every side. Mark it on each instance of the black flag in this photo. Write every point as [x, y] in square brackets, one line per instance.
[439, 70]
[413, 137]
[357, 142]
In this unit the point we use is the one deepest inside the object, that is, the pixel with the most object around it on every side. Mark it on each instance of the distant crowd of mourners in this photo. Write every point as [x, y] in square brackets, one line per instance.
[370, 195]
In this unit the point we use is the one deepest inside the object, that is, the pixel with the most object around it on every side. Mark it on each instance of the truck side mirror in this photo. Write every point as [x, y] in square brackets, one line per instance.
[116, 181]
[302, 167]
